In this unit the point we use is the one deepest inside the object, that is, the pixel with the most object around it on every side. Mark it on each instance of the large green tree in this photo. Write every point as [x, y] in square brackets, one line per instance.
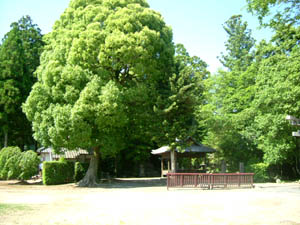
[101, 70]
[238, 45]
[277, 93]
[176, 107]
[19, 57]
[229, 94]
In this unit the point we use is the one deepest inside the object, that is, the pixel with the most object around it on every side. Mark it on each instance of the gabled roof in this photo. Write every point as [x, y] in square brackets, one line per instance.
[68, 154]
[196, 148]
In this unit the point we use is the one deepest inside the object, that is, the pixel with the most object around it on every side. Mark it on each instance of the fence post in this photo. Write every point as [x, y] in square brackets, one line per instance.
[168, 175]
[196, 179]
[181, 180]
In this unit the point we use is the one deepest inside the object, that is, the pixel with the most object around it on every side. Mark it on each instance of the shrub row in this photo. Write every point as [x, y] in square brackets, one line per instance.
[58, 172]
[62, 172]
[15, 164]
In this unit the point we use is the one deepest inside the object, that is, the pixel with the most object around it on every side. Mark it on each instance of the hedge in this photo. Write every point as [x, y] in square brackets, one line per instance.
[58, 172]
[15, 164]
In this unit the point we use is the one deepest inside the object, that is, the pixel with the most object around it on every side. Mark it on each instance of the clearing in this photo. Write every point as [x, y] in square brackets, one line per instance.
[147, 201]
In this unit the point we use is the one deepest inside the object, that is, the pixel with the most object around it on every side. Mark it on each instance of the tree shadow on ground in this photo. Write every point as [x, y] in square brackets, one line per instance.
[132, 183]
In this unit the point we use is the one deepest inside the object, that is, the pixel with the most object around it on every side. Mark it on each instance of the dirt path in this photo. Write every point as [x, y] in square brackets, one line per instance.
[148, 202]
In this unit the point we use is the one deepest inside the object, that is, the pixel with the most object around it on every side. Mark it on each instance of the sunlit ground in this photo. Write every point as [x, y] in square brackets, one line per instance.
[148, 202]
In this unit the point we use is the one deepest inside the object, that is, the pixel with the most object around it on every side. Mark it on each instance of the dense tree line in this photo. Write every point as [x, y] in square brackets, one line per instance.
[249, 100]
[110, 79]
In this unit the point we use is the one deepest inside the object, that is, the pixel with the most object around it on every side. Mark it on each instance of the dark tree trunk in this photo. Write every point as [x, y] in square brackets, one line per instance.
[297, 157]
[296, 166]
[90, 178]
[5, 138]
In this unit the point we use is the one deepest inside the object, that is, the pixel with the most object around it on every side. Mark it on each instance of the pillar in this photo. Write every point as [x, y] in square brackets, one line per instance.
[173, 161]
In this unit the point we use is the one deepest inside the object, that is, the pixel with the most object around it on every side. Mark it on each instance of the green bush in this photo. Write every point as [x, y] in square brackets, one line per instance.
[29, 165]
[80, 170]
[15, 164]
[260, 171]
[58, 172]
[9, 160]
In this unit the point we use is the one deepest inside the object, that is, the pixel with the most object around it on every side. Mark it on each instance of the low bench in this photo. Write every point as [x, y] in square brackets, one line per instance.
[209, 180]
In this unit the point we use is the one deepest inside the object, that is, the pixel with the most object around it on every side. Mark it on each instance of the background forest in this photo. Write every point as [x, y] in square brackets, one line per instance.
[164, 94]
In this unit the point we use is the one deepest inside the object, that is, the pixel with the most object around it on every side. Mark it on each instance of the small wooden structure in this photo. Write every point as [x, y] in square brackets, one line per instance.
[80, 155]
[169, 157]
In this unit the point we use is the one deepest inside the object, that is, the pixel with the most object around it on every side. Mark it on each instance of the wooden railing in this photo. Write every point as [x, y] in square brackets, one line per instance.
[209, 180]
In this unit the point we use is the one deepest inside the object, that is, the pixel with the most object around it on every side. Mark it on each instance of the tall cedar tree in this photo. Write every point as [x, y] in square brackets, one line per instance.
[19, 57]
[178, 103]
[238, 45]
[229, 94]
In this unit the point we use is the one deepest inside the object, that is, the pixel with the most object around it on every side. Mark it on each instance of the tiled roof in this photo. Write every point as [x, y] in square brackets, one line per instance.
[68, 154]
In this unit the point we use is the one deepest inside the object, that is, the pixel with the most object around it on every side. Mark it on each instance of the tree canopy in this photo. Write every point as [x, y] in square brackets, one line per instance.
[287, 10]
[247, 104]
[19, 57]
[102, 62]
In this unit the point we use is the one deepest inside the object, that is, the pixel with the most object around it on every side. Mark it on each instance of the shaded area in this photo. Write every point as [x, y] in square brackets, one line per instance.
[132, 182]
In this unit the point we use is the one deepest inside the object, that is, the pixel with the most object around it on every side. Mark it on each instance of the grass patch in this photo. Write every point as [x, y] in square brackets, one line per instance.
[7, 208]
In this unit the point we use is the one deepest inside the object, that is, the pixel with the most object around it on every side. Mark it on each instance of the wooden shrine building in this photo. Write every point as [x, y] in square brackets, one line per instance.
[169, 158]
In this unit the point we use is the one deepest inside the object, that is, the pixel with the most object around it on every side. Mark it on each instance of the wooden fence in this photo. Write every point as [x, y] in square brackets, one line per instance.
[209, 180]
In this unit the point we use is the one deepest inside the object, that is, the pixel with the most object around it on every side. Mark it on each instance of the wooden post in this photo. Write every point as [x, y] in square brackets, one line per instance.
[173, 161]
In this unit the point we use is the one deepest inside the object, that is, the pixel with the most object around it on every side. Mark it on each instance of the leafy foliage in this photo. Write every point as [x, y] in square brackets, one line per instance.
[101, 67]
[229, 95]
[29, 164]
[9, 158]
[238, 45]
[92, 86]
[15, 164]
[286, 9]
[260, 171]
[80, 170]
[58, 172]
[177, 105]
[19, 56]
[276, 96]
[247, 105]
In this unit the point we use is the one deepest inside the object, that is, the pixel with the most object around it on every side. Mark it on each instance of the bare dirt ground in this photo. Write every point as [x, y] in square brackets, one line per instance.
[147, 201]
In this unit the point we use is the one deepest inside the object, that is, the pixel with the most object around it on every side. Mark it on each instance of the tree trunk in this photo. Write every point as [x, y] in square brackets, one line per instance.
[297, 169]
[5, 138]
[223, 166]
[173, 161]
[90, 178]
[297, 158]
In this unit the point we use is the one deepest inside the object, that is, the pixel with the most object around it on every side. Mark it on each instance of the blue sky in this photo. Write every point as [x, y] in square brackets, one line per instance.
[196, 23]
